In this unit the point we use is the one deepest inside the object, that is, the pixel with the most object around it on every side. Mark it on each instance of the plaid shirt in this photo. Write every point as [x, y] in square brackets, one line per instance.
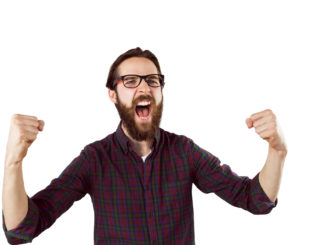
[136, 202]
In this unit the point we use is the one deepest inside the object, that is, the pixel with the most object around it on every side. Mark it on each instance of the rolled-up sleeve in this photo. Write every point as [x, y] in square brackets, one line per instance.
[50, 203]
[240, 191]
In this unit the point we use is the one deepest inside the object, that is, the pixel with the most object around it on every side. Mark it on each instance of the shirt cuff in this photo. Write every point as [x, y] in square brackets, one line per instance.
[263, 204]
[25, 231]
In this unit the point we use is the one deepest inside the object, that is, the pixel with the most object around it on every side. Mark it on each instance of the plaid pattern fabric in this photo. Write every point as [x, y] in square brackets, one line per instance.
[135, 202]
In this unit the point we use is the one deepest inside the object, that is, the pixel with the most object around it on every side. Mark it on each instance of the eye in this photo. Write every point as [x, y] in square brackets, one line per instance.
[131, 80]
[153, 81]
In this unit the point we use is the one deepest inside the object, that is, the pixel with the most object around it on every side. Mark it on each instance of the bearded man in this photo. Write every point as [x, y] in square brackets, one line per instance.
[139, 177]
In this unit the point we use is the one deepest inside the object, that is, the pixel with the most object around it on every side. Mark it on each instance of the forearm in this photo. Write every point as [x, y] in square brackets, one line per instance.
[14, 197]
[271, 173]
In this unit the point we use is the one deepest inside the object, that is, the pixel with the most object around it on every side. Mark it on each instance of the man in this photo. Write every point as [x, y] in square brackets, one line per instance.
[139, 177]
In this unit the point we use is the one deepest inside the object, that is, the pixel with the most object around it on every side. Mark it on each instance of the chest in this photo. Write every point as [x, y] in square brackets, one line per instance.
[165, 178]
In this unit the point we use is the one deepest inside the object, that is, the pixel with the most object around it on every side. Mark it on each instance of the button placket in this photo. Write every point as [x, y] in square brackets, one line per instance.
[149, 201]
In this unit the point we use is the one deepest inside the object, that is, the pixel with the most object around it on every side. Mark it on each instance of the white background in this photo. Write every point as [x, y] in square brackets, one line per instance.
[223, 61]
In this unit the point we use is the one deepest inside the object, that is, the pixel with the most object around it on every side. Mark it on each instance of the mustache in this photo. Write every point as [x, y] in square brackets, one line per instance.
[141, 98]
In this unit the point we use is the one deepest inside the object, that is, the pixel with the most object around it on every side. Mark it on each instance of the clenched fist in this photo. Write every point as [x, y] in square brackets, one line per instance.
[267, 127]
[23, 132]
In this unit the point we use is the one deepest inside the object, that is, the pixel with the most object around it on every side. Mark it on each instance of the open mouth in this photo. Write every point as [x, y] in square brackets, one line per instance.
[144, 110]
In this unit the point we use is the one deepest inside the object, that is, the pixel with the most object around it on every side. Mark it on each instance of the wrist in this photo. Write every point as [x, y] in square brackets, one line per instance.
[10, 163]
[277, 152]
[12, 160]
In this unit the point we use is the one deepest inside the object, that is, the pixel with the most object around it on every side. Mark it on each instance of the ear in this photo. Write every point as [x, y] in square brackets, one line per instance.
[113, 96]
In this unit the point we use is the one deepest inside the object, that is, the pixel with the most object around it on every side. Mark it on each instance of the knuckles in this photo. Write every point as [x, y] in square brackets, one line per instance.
[269, 110]
[18, 120]
[270, 113]
[15, 119]
[19, 117]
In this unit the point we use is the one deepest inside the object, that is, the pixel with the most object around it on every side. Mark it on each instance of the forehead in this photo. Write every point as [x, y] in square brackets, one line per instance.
[137, 65]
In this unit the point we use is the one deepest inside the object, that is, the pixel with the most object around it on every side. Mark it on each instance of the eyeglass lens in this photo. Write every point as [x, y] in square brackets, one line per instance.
[133, 81]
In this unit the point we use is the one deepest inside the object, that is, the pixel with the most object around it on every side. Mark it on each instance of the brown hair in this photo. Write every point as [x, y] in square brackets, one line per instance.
[136, 52]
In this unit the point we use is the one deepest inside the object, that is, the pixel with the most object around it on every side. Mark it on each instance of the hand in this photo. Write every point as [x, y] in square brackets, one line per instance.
[23, 132]
[266, 126]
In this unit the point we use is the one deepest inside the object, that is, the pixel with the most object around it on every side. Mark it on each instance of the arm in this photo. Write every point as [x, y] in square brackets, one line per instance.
[46, 206]
[212, 177]
[266, 127]
[14, 197]
[23, 131]
[270, 175]
[42, 210]
[257, 195]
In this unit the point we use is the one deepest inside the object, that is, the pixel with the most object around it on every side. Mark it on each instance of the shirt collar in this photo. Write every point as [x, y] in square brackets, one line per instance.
[124, 140]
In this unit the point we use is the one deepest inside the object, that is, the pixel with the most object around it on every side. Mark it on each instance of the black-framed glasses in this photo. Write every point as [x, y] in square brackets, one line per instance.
[133, 80]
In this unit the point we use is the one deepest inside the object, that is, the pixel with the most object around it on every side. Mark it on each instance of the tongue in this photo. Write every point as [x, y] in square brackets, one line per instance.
[142, 111]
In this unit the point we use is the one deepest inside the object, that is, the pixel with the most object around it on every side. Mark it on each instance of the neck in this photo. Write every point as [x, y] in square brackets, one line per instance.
[142, 148]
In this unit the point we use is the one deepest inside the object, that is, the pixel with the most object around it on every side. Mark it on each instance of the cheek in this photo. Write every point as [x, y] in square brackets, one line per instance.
[158, 97]
[125, 97]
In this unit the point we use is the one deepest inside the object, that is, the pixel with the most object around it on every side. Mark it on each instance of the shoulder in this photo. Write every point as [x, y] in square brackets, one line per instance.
[98, 147]
[171, 138]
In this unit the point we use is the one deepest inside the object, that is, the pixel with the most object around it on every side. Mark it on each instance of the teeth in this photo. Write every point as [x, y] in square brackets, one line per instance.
[144, 117]
[144, 103]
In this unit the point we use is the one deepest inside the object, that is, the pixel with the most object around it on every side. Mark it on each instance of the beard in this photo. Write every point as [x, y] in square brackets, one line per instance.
[146, 130]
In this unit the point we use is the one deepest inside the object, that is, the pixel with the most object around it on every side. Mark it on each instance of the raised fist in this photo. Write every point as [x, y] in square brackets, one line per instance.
[23, 132]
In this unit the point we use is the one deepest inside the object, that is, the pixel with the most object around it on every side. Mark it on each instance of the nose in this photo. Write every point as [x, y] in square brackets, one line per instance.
[143, 87]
